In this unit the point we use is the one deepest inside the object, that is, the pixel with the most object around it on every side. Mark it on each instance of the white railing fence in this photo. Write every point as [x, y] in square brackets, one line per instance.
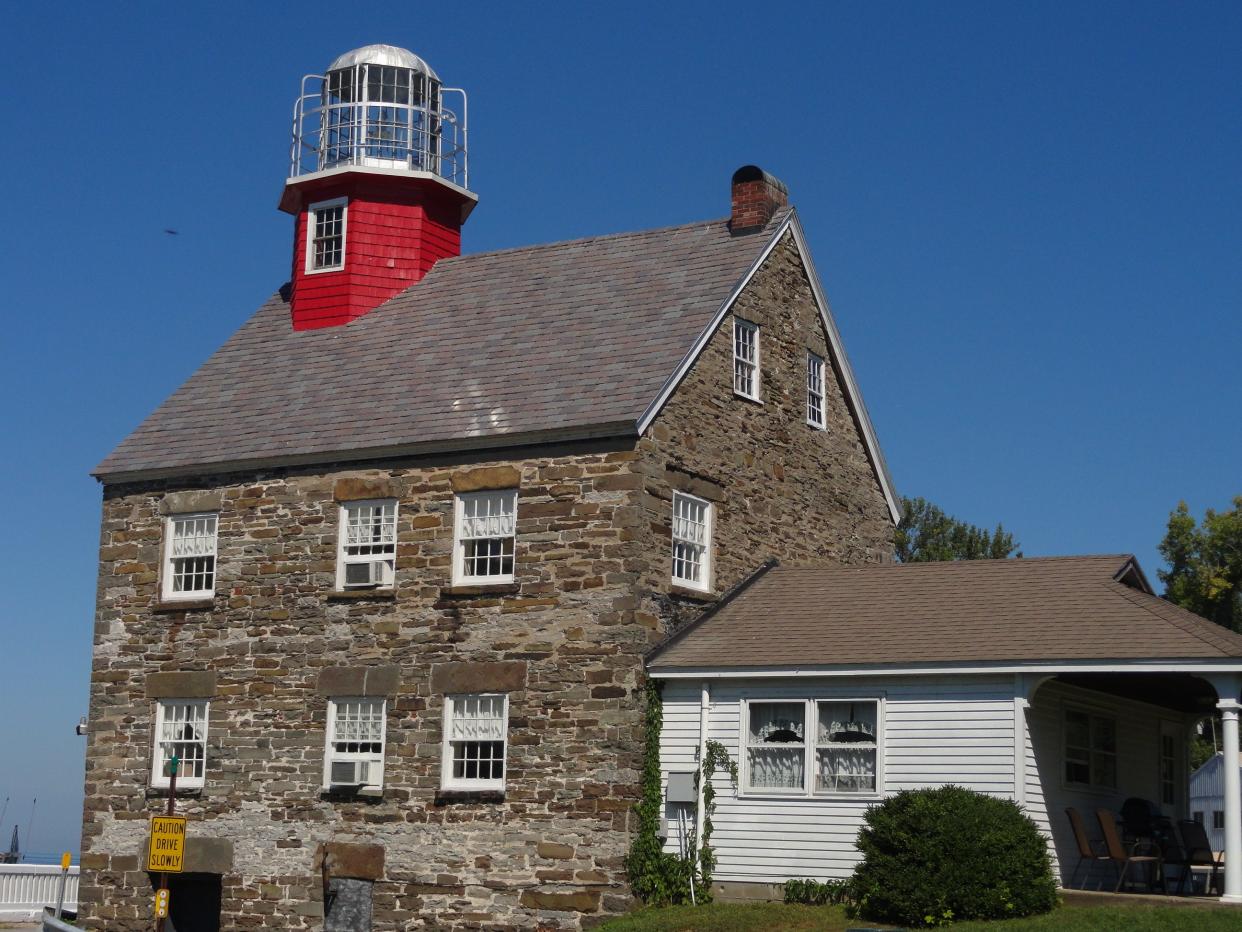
[26, 888]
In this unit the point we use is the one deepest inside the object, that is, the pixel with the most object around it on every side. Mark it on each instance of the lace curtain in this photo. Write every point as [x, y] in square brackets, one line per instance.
[777, 745]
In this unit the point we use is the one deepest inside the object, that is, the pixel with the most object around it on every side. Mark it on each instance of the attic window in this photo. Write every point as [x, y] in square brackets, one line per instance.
[325, 246]
[190, 556]
[746, 359]
[814, 390]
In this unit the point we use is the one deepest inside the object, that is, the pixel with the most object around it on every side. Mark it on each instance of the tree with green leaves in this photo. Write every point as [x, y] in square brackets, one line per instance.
[926, 533]
[1205, 563]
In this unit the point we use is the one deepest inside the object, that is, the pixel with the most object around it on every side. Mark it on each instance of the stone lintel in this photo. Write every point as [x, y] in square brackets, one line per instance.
[181, 685]
[486, 478]
[359, 681]
[352, 861]
[478, 676]
[181, 503]
[694, 485]
[578, 901]
[357, 488]
[203, 855]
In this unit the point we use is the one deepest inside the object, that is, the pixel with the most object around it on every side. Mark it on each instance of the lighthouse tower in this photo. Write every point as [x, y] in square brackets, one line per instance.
[378, 182]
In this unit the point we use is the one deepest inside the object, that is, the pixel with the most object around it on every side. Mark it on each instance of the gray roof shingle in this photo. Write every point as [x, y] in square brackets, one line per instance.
[577, 336]
[1028, 610]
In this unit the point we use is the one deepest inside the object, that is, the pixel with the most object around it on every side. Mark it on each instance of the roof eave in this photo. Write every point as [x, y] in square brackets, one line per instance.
[973, 667]
[622, 429]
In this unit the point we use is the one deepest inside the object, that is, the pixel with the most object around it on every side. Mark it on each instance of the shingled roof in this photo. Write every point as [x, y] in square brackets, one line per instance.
[1036, 610]
[576, 338]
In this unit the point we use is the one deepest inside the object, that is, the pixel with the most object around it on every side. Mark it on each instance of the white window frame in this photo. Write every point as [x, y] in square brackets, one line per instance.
[312, 221]
[447, 780]
[344, 559]
[704, 583]
[815, 394]
[810, 745]
[1093, 715]
[741, 364]
[460, 540]
[374, 759]
[158, 760]
[167, 593]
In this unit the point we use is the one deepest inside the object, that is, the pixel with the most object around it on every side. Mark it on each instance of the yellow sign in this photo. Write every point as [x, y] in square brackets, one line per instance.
[161, 904]
[166, 850]
[65, 860]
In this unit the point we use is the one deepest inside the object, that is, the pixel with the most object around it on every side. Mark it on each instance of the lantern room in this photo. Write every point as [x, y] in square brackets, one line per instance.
[379, 107]
[378, 182]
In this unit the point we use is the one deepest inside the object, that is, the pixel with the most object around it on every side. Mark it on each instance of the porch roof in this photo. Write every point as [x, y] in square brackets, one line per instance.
[1034, 610]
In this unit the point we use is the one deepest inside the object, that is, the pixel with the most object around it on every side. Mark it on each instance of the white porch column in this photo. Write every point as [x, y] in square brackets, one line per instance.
[705, 712]
[1233, 800]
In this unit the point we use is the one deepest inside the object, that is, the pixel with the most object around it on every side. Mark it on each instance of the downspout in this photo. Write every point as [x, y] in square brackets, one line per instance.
[705, 701]
[1020, 705]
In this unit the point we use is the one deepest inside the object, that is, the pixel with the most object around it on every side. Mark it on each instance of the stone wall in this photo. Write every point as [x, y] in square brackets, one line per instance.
[561, 639]
[781, 489]
[592, 594]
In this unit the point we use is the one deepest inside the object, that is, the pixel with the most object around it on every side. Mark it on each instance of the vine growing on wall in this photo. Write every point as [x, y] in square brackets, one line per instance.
[656, 876]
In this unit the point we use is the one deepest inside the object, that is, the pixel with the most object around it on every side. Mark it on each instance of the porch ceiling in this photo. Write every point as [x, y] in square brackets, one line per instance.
[1180, 692]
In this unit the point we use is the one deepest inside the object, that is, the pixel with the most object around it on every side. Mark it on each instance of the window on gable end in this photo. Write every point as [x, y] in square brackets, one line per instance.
[692, 541]
[746, 359]
[190, 556]
[485, 531]
[368, 545]
[815, 390]
[325, 236]
[181, 732]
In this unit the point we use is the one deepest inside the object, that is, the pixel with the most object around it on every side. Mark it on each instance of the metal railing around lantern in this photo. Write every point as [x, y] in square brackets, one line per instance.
[379, 116]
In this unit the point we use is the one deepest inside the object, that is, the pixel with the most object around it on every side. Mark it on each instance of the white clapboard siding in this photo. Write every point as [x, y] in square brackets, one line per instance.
[937, 730]
[1138, 763]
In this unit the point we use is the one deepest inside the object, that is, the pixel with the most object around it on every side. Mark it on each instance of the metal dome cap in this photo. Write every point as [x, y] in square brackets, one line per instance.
[382, 55]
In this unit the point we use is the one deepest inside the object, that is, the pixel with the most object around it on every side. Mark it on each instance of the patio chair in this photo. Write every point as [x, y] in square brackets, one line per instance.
[1199, 853]
[1123, 856]
[1090, 850]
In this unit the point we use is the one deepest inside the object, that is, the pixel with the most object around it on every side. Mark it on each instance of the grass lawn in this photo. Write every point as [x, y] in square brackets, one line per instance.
[763, 917]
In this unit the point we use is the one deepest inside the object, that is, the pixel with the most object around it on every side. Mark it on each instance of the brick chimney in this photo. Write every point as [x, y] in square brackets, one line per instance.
[756, 197]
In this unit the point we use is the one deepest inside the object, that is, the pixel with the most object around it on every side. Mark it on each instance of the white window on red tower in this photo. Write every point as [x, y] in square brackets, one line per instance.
[325, 241]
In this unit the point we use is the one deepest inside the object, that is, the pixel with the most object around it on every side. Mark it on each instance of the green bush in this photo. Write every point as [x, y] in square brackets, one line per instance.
[932, 857]
[815, 892]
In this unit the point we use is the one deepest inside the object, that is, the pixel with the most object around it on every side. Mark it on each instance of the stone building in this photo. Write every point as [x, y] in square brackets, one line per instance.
[383, 572]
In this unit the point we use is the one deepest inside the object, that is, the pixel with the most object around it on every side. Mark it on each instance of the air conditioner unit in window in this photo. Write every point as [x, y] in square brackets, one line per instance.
[359, 575]
[351, 773]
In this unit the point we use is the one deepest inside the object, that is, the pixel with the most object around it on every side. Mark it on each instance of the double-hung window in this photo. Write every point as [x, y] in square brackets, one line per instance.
[354, 758]
[475, 732]
[190, 556]
[181, 732]
[368, 537]
[692, 541]
[1090, 749]
[812, 747]
[814, 390]
[746, 359]
[325, 236]
[485, 531]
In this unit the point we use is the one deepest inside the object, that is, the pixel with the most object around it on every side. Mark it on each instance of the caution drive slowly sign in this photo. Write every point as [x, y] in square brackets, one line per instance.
[166, 851]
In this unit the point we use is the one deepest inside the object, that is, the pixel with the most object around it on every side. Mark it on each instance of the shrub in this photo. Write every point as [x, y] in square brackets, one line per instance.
[931, 857]
[815, 892]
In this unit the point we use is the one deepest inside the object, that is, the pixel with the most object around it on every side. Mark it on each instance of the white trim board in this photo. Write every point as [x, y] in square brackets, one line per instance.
[1223, 665]
[853, 396]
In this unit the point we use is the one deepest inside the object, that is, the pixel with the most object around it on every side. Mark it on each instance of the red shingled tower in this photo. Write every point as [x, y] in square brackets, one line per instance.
[377, 183]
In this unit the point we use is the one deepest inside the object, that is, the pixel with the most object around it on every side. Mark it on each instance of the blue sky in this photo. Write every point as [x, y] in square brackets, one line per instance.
[1026, 217]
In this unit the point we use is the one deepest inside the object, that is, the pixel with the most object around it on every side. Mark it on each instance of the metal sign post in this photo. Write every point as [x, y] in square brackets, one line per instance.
[163, 895]
[65, 860]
